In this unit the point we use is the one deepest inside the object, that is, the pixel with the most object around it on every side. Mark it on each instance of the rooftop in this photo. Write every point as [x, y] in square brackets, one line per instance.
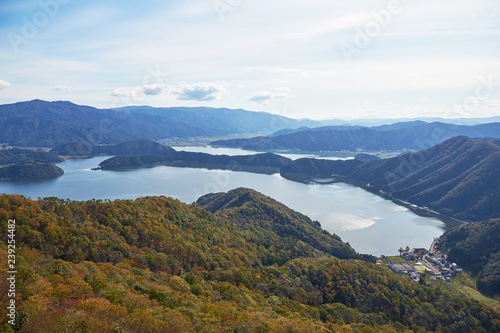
[401, 266]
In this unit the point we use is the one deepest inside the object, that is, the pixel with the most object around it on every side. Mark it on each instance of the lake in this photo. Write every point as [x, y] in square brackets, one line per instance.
[368, 222]
[238, 151]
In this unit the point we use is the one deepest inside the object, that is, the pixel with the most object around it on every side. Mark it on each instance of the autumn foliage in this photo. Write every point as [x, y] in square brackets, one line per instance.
[158, 265]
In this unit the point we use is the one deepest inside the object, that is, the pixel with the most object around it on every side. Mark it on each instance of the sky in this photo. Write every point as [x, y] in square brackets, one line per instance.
[296, 58]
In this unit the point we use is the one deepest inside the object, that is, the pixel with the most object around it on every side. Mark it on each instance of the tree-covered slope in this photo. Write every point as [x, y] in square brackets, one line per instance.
[129, 148]
[47, 124]
[23, 164]
[413, 136]
[31, 170]
[458, 177]
[158, 265]
[223, 121]
[476, 248]
[265, 217]
[15, 155]
[323, 139]
[268, 163]
[495, 141]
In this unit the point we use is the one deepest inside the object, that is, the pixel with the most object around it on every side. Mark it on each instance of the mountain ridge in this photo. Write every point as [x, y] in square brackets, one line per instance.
[239, 205]
[401, 136]
[457, 177]
[47, 124]
[40, 123]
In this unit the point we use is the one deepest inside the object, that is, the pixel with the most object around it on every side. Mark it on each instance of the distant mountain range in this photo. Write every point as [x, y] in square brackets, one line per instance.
[458, 177]
[48, 124]
[233, 121]
[224, 121]
[415, 135]
[39, 123]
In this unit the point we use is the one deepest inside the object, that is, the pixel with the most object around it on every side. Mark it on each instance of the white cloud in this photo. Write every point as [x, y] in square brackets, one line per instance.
[63, 89]
[199, 91]
[263, 97]
[203, 91]
[149, 90]
[154, 89]
[131, 92]
[474, 103]
[4, 84]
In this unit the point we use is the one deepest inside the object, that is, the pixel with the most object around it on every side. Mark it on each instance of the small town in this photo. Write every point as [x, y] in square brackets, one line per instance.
[416, 262]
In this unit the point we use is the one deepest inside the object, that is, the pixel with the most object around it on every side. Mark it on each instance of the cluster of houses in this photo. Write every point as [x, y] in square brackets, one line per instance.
[446, 269]
[413, 254]
[405, 268]
[420, 261]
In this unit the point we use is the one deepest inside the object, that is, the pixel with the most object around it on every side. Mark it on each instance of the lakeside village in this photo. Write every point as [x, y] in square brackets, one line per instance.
[417, 262]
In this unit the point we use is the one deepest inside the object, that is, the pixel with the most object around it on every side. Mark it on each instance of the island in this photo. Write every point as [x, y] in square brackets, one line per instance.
[31, 170]
[267, 163]
[25, 164]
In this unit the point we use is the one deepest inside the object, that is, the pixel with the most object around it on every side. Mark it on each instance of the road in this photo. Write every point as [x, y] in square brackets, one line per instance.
[431, 249]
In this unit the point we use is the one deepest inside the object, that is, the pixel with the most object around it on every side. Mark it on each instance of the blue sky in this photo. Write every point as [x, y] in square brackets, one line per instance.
[316, 59]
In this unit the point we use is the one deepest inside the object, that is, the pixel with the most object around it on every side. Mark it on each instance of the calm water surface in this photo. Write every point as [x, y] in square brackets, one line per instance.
[238, 151]
[369, 223]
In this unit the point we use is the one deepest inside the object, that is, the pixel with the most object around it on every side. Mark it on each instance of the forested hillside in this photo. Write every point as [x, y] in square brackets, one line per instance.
[268, 163]
[458, 177]
[48, 124]
[223, 121]
[15, 155]
[158, 265]
[476, 248]
[129, 148]
[23, 164]
[265, 217]
[416, 135]
[31, 170]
